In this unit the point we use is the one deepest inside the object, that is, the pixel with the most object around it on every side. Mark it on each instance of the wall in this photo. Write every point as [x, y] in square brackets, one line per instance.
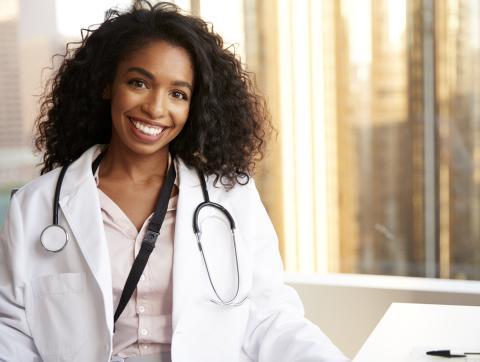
[348, 307]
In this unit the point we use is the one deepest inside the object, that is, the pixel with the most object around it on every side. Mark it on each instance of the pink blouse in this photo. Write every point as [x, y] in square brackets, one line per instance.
[145, 326]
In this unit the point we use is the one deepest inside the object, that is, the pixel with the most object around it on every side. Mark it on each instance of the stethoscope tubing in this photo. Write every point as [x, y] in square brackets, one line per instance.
[196, 229]
[58, 189]
[220, 300]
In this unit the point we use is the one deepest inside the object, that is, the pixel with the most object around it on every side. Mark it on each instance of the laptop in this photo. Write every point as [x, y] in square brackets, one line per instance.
[408, 331]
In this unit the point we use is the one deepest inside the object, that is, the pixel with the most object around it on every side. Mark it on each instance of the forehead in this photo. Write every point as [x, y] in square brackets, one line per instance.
[161, 59]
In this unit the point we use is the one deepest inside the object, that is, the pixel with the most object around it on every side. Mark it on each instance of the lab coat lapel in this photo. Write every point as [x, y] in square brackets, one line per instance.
[81, 207]
[187, 267]
[202, 330]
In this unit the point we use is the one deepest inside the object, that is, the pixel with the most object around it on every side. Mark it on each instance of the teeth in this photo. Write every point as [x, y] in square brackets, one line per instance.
[148, 130]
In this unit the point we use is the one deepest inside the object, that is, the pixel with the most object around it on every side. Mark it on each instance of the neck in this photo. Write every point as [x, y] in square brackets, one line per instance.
[122, 164]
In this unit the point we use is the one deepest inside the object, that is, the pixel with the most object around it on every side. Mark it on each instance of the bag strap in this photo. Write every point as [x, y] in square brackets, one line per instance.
[148, 242]
[149, 239]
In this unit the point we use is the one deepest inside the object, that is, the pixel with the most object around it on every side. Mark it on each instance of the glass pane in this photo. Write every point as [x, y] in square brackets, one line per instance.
[458, 89]
[388, 76]
[376, 141]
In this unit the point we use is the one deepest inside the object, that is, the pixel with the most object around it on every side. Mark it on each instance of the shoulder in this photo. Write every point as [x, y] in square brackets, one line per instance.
[28, 208]
[40, 185]
[42, 188]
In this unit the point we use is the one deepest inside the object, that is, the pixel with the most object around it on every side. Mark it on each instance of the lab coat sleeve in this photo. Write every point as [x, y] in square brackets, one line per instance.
[277, 329]
[16, 343]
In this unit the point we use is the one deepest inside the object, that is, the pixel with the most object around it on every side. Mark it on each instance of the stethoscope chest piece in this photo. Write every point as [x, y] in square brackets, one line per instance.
[54, 238]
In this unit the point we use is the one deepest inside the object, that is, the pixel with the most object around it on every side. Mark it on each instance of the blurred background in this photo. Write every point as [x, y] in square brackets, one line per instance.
[375, 174]
[376, 168]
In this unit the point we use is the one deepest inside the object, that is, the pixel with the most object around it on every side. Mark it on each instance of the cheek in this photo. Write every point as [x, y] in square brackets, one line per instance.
[186, 112]
[180, 113]
[122, 101]
[185, 115]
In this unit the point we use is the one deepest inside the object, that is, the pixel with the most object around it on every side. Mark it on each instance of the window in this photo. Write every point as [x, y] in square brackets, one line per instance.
[376, 168]
[378, 113]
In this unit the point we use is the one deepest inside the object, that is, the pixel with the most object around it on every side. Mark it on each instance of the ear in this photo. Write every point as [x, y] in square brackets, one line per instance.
[106, 93]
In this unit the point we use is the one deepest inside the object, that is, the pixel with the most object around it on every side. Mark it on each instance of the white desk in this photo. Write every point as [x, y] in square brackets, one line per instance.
[407, 331]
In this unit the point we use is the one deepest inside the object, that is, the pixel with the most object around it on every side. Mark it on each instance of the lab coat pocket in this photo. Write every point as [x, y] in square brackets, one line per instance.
[54, 310]
[212, 332]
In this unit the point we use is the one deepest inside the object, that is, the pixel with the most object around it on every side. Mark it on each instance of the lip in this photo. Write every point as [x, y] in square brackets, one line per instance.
[146, 121]
[144, 138]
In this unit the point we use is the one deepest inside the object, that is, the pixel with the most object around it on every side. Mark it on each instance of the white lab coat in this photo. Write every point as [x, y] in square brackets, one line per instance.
[58, 306]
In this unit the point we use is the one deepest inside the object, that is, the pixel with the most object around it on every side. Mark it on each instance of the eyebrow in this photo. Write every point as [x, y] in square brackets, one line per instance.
[149, 75]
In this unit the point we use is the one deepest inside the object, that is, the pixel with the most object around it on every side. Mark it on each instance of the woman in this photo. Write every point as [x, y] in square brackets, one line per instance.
[141, 113]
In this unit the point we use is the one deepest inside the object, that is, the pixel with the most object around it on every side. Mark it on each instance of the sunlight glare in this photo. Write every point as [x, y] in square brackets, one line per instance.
[396, 21]
[71, 16]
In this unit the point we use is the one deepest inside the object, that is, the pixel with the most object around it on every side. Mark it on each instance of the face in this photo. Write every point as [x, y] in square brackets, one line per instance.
[150, 98]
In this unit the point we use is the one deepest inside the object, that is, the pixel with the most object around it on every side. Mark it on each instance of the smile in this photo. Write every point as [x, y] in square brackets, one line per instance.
[147, 129]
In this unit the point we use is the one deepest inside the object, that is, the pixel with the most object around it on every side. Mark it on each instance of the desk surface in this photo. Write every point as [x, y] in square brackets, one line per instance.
[407, 331]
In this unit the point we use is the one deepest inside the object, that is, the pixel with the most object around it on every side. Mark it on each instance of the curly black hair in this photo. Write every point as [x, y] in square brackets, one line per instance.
[228, 122]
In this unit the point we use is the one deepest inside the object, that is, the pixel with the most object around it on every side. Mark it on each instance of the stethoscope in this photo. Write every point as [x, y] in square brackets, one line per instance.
[196, 230]
[54, 237]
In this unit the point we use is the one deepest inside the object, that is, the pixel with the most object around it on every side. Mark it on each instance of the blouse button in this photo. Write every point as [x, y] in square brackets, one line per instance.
[144, 332]
[141, 309]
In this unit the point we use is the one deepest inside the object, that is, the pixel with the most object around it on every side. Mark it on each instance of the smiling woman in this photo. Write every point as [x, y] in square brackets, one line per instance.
[149, 124]
[150, 99]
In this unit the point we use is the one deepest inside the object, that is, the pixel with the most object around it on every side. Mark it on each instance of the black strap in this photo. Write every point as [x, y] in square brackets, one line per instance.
[97, 161]
[149, 239]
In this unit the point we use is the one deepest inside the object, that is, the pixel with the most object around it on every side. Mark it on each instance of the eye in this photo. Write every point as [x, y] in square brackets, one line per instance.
[179, 95]
[137, 83]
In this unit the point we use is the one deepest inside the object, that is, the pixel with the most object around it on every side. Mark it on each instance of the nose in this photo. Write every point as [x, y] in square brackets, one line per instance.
[155, 104]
